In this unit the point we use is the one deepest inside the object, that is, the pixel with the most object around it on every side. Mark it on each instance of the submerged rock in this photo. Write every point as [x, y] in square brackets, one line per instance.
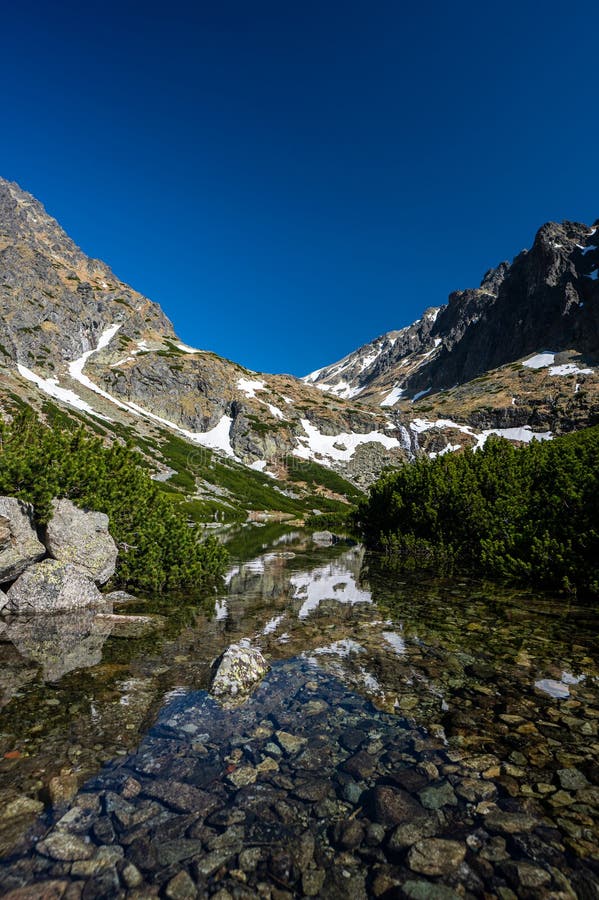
[50, 585]
[81, 538]
[237, 671]
[19, 546]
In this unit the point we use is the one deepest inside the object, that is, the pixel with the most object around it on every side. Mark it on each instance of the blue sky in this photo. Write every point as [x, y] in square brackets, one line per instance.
[289, 180]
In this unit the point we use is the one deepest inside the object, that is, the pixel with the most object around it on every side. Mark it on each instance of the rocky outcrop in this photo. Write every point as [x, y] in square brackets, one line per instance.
[49, 586]
[81, 538]
[548, 297]
[237, 672]
[19, 545]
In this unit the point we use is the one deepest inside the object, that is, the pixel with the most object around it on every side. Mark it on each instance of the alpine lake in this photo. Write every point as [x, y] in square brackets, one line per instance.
[414, 737]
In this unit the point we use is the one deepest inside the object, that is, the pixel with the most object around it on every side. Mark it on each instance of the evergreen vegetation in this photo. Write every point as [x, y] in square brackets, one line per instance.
[527, 513]
[158, 547]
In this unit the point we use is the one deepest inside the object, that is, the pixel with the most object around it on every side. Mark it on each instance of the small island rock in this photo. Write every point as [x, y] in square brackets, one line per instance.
[237, 671]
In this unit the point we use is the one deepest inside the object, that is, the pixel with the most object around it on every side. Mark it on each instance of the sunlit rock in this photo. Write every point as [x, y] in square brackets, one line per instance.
[81, 538]
[237, 672]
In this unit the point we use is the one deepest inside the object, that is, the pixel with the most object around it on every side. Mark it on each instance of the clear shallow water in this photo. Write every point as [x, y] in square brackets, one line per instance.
[401, 711]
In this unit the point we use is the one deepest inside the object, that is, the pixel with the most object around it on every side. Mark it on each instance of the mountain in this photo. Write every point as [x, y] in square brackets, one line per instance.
[516, 356]
[74, 334]
[530, 330]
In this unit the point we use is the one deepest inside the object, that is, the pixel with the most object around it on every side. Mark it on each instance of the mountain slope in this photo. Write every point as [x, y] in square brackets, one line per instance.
[76, 333]
[548, 297]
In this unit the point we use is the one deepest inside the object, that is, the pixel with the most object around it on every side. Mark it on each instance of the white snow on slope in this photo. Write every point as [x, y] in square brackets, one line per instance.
[186, 349]
[524, 434]
[342, 389]
[540, 360]
[345, 647]
[51, 387]
[275, 411]
[569, 369]
[330, 446]
[258, 465]
[76, 366]
[546, 360]
[218, 438]
[393, 396]
[420, 394]
[249, 387]
[395, 641]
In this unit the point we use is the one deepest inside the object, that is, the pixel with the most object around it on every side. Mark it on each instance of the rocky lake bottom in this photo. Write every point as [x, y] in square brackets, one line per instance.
[413, 738]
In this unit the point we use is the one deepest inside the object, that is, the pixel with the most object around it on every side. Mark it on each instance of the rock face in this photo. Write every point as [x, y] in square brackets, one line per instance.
[49, 586]
[73, 330]
[81, 538]
[19, 546]
[236, 672]
[546, 298]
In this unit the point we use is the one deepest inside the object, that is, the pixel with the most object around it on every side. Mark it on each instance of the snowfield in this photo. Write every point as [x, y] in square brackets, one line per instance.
[331, 446]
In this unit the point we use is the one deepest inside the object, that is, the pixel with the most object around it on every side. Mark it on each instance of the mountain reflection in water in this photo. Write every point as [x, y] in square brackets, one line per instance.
[472, 708]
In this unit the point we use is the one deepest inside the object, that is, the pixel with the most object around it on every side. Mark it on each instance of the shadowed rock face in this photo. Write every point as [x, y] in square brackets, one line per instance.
[547, 297]
[82, 539]
[19, 546]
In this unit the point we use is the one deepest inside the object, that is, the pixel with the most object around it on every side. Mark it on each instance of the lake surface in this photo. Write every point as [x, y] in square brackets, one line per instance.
[413, 738]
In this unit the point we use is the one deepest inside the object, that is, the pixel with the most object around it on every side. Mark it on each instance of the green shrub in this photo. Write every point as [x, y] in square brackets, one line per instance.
[527, 513]
[158, 547]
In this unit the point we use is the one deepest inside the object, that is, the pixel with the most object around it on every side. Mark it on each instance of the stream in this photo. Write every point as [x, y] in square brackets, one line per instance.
[414, 737]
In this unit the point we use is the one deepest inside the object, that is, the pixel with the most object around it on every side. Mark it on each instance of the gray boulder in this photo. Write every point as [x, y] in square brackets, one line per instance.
[49, 586]
[81, 538]
[19, 546]
[3, 602]
[236, 672]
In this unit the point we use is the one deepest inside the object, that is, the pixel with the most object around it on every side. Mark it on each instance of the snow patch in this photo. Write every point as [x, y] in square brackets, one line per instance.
[395, 641]
[420, 394]
[315, 443]
[51, 387]
[258, 465]
[186, 349]
[540, 360]
[524, 434]
[569, 369]
[393, 396]
[249, 388]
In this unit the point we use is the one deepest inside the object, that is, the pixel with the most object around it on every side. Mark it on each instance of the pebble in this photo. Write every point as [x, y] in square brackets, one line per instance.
[64, 846]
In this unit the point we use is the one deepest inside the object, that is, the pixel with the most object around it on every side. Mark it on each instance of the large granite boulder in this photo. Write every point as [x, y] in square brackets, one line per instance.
[81, 538]
[19, 546]
[51, 585]
[236, 672]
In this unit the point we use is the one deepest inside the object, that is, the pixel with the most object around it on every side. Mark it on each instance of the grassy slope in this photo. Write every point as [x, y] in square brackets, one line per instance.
[211, 486]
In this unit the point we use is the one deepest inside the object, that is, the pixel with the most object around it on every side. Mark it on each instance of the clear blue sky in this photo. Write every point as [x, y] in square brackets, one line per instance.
[291, 179]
